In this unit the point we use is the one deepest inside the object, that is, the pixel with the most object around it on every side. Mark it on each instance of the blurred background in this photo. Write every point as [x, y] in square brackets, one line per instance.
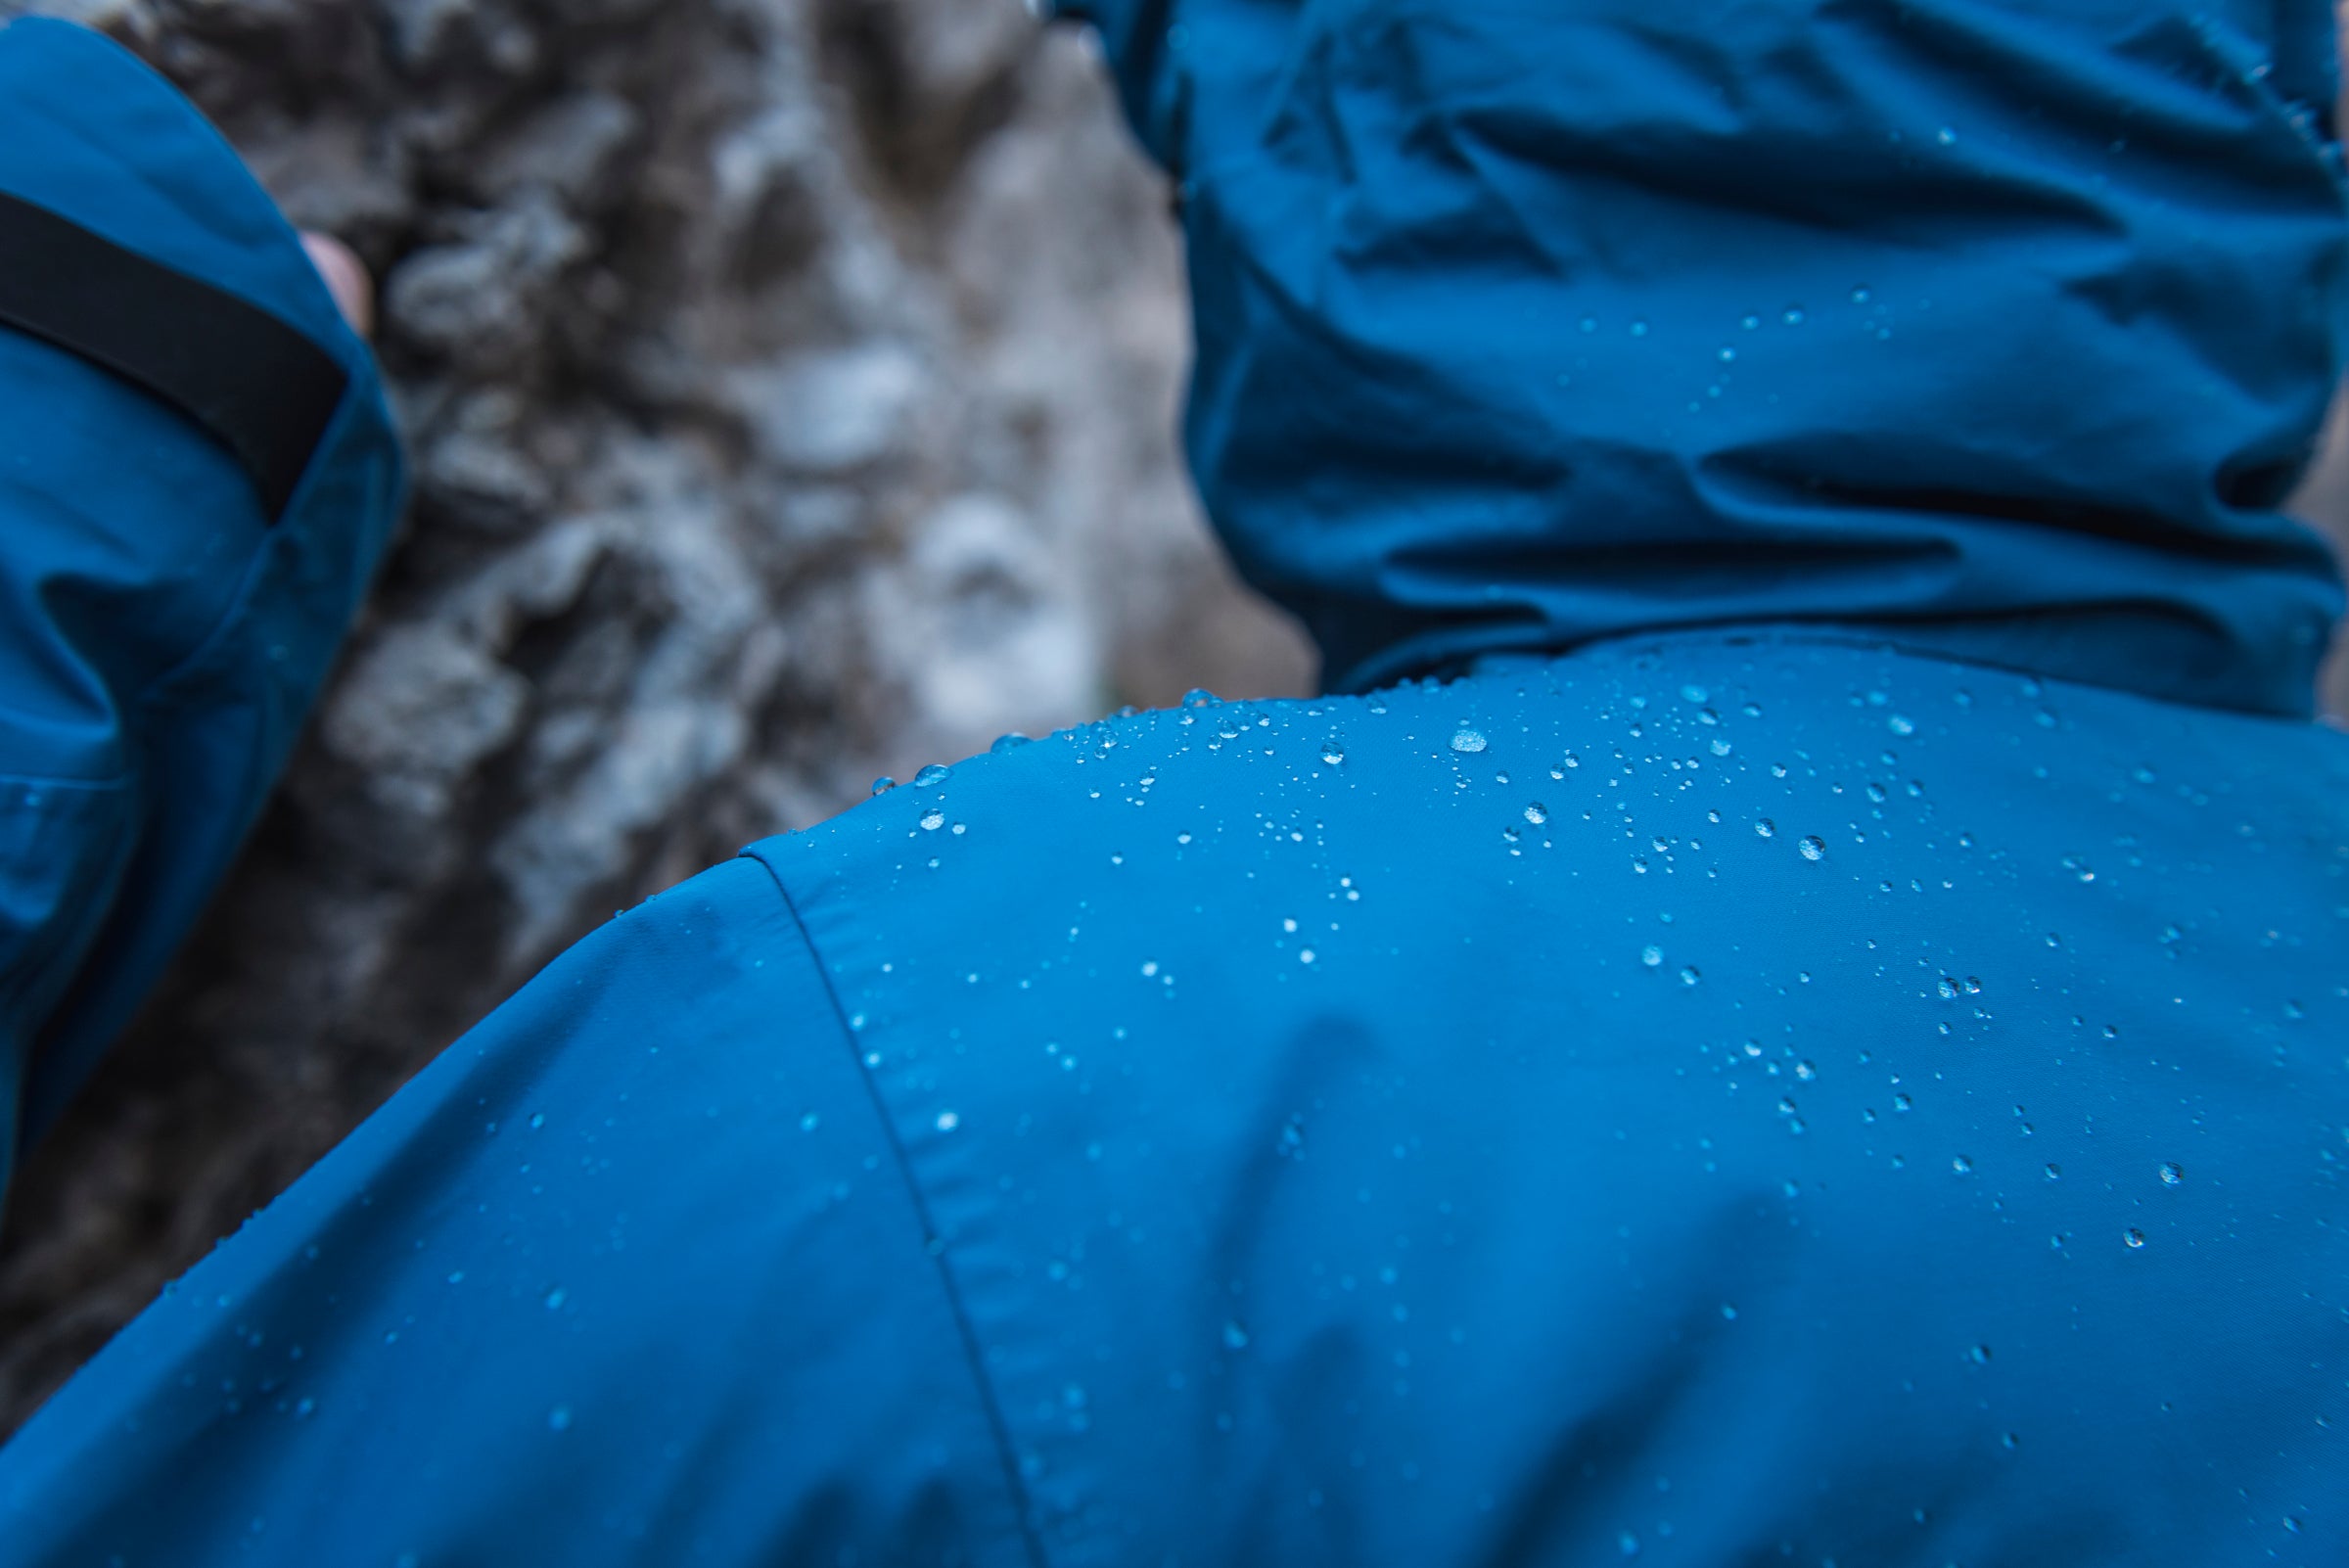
[791, 387]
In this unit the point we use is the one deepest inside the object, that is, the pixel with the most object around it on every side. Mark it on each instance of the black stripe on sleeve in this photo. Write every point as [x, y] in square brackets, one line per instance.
[259, 385]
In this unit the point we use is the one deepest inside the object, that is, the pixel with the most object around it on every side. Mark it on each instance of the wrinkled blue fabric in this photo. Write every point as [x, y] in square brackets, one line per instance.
[1859, 1082]
[1998, 325]
[160, 638]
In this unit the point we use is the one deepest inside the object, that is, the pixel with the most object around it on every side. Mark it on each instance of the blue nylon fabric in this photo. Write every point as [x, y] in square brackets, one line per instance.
[1952, 1173]
[161, 642]
[609, 1282]
[1759, 1094]
[2000, 326]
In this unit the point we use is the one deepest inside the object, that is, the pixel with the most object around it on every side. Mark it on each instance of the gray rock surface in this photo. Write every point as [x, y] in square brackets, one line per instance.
[791, 386]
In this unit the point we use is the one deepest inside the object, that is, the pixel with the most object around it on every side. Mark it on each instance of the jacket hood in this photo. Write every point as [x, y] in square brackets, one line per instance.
[1993, 328]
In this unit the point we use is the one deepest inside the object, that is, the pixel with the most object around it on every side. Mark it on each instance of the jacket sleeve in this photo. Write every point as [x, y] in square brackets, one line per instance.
[198, 475]
[632, 1274]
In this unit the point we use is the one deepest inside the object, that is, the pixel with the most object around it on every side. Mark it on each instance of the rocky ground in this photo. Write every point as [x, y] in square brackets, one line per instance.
[790, 384]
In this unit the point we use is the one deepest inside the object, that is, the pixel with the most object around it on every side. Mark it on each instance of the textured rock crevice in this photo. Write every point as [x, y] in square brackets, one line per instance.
[791, 388]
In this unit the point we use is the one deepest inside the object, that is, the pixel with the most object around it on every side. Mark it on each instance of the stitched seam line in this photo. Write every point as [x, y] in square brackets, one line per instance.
[987, 1402]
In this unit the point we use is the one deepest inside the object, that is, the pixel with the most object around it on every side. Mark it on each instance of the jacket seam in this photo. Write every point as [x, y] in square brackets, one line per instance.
[965, 1330]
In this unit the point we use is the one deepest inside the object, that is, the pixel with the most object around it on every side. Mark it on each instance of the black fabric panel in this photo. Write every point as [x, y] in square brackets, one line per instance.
[263, 387]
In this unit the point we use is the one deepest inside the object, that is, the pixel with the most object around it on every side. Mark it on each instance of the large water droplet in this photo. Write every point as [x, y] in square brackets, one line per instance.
[1200, 697]
[2171, 1175]
[1813, 848]
[1767, 828]
[1465, 739]
[1008, 743]
[884, 784]
[1536, 813]
[1651, 957]
[935, 773]
[2134, 1237]
[1333, 754]
[933, 820]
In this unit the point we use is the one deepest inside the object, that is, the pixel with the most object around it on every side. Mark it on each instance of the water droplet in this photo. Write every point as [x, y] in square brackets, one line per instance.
[1536, 813]
[2134, 1237]
[1651, 957]
[555, 1299]
[884, 784]
[1333, 754]
[1979, 1355]
[1813, 847]
[1305, 957]
[1008, 743]
[1639, 329]
[1200, 697]
[1689, 974]
[1767, 828]
[1236, 1335]
[1946, 137]
[1861, 295]
[933, 820]
[1901, 1102]
[1806, 1071]
[935, 773]
[2171, 1175]
[1465, 739]
[1901, 724]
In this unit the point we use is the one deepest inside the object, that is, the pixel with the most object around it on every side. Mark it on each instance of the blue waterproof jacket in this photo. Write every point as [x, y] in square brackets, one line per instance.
[1826, 1040]
[197, 476]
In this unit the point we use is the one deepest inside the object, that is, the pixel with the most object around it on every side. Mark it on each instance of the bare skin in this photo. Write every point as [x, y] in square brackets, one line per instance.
[346, 278]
